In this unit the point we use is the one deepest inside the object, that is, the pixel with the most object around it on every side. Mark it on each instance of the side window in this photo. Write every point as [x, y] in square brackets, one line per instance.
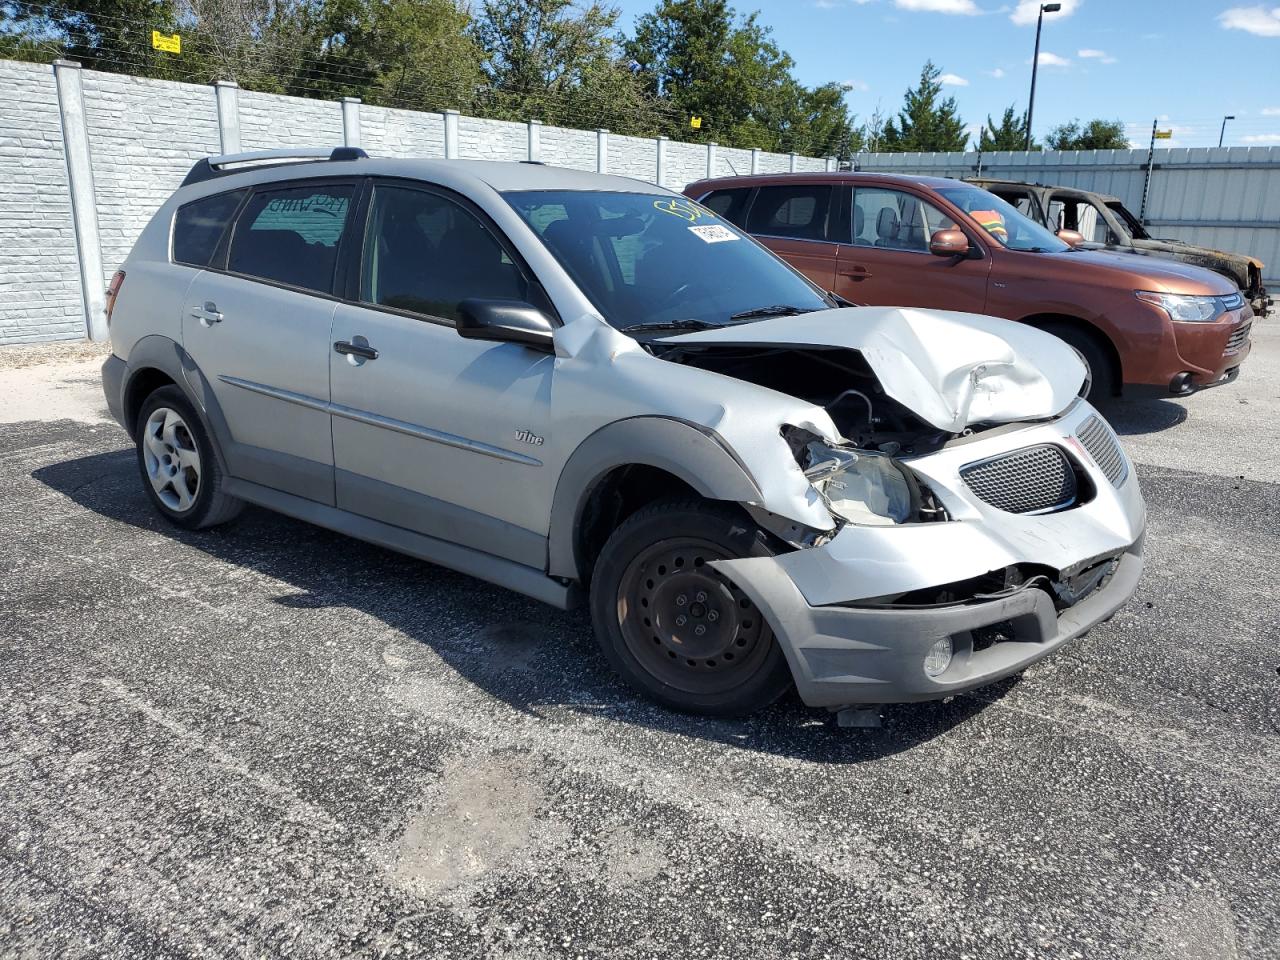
[1057, 215]
[1022, 202]
[730, 204]
[895, 220]
[798, 211]
[199, 225]
[1092, 223]
[425, 253]
[291, 235]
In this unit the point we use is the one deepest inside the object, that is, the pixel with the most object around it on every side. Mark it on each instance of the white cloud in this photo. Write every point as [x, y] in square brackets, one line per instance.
[1262, 138]
[1027, 11]
[1271, 111]
[997, 73]
[953, 80]
[965, 7]
[1258, 20]
[1100, 55]
[858, 86]
[1048, 59]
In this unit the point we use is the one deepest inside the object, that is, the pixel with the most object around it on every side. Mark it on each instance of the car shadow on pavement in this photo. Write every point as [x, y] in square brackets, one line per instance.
[536, 659]
[1135, 417]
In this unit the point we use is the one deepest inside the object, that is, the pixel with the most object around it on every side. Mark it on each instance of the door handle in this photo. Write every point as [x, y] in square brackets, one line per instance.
[856, 273]
[208, 315]
[364, 351]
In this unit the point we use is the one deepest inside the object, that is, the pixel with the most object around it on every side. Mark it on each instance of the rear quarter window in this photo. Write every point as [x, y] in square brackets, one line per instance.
[730, 204]
[291, 235]
[199, 226]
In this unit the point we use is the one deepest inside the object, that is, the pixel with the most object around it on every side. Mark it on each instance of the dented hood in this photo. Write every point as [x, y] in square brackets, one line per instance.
[951, 369]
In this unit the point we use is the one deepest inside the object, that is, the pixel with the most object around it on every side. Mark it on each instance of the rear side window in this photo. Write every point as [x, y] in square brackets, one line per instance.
[798, 211]
[291, 235]
[199, 225]
[729, 204]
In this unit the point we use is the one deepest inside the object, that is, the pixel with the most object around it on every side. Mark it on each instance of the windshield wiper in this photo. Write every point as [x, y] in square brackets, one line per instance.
[776, 310]
[686, 324]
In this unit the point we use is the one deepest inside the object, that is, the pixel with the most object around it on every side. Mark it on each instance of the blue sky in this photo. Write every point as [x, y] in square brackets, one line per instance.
[1189, 62]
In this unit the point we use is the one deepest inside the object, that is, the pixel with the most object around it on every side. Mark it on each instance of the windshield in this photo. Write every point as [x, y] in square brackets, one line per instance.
[651, 259]
[1129, 220]
[1002, 222]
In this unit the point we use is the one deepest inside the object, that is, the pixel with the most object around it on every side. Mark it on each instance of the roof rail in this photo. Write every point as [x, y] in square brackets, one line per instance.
[208, 168]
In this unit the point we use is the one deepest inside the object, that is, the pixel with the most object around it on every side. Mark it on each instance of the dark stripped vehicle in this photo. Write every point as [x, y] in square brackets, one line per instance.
[1104, 223]
[597, 392]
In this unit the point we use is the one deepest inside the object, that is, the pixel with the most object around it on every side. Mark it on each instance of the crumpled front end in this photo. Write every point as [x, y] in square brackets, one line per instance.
[1043, 540]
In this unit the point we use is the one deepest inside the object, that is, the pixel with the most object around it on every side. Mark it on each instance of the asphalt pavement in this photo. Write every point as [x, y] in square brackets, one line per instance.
[267, 740]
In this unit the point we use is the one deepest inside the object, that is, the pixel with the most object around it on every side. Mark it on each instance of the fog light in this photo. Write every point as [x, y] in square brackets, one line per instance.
[938, 658]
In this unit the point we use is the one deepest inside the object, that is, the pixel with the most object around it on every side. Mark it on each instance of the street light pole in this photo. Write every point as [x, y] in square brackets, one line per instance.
[1035, 62]
[1223, 132]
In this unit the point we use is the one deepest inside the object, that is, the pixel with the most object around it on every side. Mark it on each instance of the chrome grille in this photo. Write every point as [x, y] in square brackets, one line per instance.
[1096, 437]
[1239, 337]
[1031, 480]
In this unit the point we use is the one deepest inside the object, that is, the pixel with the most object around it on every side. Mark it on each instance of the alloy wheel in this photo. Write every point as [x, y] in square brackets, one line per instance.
[172, 459]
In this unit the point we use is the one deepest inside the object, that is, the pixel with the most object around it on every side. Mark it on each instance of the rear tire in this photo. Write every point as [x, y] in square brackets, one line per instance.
[1096, 357]
[673, 628]
[176, 459]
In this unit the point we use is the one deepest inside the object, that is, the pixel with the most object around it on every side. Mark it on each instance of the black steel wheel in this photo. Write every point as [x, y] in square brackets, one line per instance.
[672, 625]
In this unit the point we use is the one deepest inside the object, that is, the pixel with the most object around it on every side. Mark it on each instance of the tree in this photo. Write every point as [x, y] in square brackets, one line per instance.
[707, 61]
[925, 122]
[558, 62]
[1094, 135]
[417, 54]
[1009, 134]
[110, 35]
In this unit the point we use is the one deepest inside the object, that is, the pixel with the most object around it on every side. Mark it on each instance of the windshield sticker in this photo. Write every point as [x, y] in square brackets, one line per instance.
[683, 209]
[714, 233]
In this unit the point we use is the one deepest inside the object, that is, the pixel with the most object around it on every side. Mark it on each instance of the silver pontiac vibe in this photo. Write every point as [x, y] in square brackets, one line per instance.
[593, 390]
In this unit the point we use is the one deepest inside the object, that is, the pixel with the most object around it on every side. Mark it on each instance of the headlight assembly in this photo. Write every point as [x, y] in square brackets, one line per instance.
[1184, 308]
[859, 487]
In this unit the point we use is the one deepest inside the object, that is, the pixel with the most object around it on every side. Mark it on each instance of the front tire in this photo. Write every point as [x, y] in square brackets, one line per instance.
[176, 460]
[675, 629]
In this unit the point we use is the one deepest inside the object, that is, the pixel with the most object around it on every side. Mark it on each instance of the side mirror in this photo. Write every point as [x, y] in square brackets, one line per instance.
[949, 243]
[511, 321]
[1072, 238]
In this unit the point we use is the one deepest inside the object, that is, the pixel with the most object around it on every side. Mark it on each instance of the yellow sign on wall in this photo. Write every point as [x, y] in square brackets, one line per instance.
[169, 43]
[1164, 134]
[695, 122]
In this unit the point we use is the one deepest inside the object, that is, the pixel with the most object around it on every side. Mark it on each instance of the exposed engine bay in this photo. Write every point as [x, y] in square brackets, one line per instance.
[837, 379]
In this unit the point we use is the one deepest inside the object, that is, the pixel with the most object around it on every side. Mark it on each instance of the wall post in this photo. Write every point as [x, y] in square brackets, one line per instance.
[662, 161]
[84, 201]
[829, 164]
[451, 134]
[535, 141]
[755, 159]
[791, 162]
[711, 158]
[351, 121]
[602, 150]
[227, 93]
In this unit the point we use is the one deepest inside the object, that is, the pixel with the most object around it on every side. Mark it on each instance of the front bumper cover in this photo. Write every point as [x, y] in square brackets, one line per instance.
[844, 648]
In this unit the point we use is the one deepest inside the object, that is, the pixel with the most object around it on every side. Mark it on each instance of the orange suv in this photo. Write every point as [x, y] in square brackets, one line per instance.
[1146, 327]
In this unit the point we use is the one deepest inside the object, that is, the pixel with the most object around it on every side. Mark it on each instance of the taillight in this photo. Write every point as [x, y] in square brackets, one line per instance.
[113, 291]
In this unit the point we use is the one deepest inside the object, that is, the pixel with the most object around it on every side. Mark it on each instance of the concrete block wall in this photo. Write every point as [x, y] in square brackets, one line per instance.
[387, 132]
[490, 139]
[144, 136]
[139, 137]
[39, 272]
